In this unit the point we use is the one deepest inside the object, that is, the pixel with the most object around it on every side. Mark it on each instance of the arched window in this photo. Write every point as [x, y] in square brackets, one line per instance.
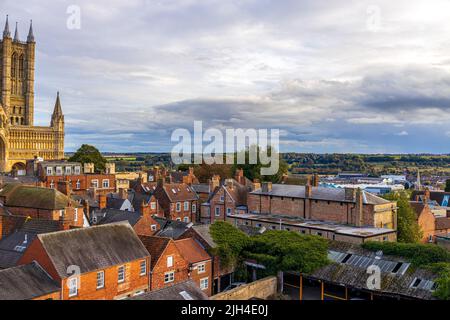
[14, 66]
[21, 64]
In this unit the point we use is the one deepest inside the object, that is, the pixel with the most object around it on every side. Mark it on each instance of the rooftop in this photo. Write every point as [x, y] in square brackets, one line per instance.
[186, 290]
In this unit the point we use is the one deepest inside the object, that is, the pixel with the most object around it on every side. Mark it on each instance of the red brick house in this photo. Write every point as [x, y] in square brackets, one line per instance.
[102, 262]
[200, 263]
[168, 266]
[176, 201]
[425, 219]
[41, 203]
[227, 199]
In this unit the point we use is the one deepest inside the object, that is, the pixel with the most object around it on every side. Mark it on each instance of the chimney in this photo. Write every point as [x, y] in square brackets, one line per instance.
[145, 209]
[92, 192]
[123, 193]
[359, 207]
[230, 184]
[256, 185]
[140, 179]
[266, 186]
[315, 180]
[214, 182]
[64, 187]
[160, 182]
[86, 207]
[427, 195]
[101, 201]
[350, 194]
[239, 176]
[191, 171]
[308, 191]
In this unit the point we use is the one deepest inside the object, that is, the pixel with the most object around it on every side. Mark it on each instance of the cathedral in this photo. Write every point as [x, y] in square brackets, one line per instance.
[20, 140]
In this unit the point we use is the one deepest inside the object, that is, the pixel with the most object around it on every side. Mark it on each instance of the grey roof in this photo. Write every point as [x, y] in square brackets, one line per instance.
[26, 282]
[30, 37]
[9, 259]
[93, 248]
[114, 215]
[318, 193]
[203, 231]
[186, 290]
[171, 229]
[201, 188]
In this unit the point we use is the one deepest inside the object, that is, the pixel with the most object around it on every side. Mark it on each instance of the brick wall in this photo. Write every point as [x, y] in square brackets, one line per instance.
[196, 276]
[262, 289]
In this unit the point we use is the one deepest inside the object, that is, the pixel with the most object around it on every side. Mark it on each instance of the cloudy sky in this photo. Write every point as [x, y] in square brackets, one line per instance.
[333, 76]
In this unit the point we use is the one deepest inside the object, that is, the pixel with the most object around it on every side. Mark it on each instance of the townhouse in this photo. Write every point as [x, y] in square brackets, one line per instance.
[42, 203]
[168, 266]
[176, 201]
[199, 263]
[101, 262]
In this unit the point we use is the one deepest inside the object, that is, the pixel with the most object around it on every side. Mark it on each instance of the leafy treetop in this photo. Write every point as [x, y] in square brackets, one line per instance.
[89, 154]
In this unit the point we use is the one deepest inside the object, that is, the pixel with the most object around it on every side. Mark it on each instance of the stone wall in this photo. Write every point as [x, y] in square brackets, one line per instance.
[262, 289]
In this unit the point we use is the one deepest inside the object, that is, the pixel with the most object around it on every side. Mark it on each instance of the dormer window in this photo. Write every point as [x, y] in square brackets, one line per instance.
[77, 170]
[59, 171]
[68, 170]
[49, 171]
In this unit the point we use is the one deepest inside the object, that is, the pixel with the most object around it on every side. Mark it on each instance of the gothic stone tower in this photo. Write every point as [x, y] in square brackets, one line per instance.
[20, 140]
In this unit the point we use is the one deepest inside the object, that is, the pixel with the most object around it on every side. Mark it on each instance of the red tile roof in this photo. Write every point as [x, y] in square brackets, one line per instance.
[155, 246]
[191, 250]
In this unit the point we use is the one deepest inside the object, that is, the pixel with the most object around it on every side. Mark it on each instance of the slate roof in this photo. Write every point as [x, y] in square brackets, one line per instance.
[191, 250]
[442, 223]
[201, 188]
[114, 203]
[114, 215]
[186, 290]
[437, 196]
[204, 232]
[318, 193]
[155, 246]
[93, 248]
[171, 229]
[26, 282]
[35, 197]
[9, 259]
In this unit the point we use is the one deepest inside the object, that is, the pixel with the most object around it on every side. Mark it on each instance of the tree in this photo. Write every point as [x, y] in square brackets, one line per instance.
[253, 171]
[447, 185]
[408, 229]
[89, 154]
[281, 250]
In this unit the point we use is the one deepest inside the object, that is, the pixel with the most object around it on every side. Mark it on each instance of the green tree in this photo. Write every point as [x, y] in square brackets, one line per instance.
[281, 250]
[408, 229]
[89, 154]
[253, 171]
[447, 185]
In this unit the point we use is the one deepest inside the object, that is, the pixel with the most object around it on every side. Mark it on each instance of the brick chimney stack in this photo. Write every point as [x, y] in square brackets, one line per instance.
[145, 209]
[64, 187]
[350, 194]
[427, 195]
[101, 201]
[239, 176]
[256, 185]
[359, 207]
[315, 180]
[123, 193]
[214, 182]
[266, 186]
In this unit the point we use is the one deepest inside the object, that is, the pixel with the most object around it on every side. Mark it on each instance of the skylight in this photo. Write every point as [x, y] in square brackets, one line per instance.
[186, 296]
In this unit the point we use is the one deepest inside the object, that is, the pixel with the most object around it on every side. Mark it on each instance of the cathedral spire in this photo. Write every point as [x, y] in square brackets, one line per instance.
[30, 37]
[57, 111]
[16, 33]
[6, 32]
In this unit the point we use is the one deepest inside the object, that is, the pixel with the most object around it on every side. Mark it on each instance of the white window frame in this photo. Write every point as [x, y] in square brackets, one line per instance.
[143, 268]
[186, 219]
[101, 279]
[68, 171]
[121, 270]
[49, 171]
[186, 206]
[229, 211]
[105, 186]
[201, 268]
[153, 205]
[75, 215]
[204, 283]
[52, 184]
[78, 184]
[169, 277]
[72, 283]
[217, 211]
[94, 183]
[77, 170]
[194, 208]
[178, 206]
[169, 261]
[59, 171]
[153, 227]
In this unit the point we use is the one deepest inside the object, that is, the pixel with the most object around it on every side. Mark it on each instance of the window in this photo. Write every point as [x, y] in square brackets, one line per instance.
[222, 198]
[259, 225]
[201, 268]
[204, 283]
[49, 171]
[194, 208]
[169, 261]
[153, 205]
[186, 206]
[94, 183]
[61, 213]
[143, 268]
[78, 184]
[186, 219]
[229, 211]
[105, 183]
[416, 283]
[68, 170]
[73, 287]
[121, 274]
[178, 207]
[153, 227]
[77, 170]
[58, 171]
[169, 277]
[217, 211]
[52, 184]
[100, 279]
[75, 215]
